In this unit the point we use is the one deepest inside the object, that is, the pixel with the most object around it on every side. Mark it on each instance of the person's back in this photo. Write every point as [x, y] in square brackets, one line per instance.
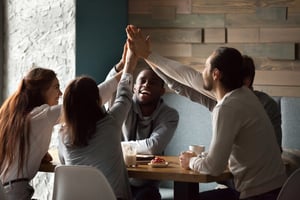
[104, 152]
[269, 104]
[92, 136]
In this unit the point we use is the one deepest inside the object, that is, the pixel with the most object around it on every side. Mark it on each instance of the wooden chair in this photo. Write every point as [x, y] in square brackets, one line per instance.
[81, 182]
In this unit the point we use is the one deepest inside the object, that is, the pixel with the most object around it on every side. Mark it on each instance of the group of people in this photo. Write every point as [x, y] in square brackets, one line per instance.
[94, 119]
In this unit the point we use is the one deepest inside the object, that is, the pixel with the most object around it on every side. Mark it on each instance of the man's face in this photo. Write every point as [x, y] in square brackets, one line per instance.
[148, 87]
[207, 75]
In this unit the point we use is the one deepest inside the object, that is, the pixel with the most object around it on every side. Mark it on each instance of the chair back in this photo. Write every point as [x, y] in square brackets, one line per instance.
[81, 182]
[290, 190]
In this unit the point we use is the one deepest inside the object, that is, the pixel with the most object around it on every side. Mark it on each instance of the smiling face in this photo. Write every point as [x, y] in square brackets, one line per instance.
[148, 87]
[53, 93]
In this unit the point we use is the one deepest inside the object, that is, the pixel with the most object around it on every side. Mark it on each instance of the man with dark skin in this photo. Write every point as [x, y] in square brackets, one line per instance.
[150, 124]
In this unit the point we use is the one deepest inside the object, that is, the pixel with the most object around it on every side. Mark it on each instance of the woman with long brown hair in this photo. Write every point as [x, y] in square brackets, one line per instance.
[27, 118]
[91, 136]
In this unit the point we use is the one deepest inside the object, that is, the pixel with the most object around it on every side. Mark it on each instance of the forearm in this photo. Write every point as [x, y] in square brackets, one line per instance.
[186, 91]
[176, 71]
[107, 89]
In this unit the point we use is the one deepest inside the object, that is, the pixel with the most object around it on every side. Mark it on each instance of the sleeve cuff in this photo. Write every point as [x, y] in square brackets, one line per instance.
[127, 79]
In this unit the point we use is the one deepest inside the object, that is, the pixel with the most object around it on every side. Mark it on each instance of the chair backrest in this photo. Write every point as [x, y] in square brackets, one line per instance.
[290, 189]
[81, 182]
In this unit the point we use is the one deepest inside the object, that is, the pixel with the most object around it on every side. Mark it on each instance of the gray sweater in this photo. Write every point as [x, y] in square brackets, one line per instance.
[104, 149]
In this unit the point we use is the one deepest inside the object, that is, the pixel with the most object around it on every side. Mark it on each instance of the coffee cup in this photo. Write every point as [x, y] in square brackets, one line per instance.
[129, 153]
[197, 149]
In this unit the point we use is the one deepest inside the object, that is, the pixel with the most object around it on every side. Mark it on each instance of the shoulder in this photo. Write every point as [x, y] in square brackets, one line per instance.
[168, 110]
[45, 110]
[265, 98]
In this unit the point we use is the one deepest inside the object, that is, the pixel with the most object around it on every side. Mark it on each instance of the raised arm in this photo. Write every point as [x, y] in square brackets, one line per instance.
[185, 75]
[108, 88]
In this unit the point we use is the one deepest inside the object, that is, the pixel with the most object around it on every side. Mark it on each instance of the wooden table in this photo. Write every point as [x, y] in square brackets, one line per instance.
[186, 182]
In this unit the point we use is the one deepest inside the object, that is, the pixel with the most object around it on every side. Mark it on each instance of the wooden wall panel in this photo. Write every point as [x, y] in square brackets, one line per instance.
[252, 20]
[145, 6]
[278, 78]
[289, 91]
[240, 6]
[262, 64]
[280, 35]
[214, 35]
[178, 50]
[272, 13]
[285, 51]
[181, 21]
[174, 35]
[189, 30]
[242, 35]
[163, 13]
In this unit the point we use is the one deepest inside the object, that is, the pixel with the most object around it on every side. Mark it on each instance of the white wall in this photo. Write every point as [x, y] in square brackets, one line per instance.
[39, 32]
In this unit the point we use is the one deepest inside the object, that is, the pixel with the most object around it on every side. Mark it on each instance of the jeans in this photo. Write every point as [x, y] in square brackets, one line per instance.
[272, 195]
[148, 192]
[219, 194]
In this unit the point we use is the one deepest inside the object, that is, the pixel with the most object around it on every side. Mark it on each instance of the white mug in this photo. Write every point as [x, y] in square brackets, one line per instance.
[197, 149]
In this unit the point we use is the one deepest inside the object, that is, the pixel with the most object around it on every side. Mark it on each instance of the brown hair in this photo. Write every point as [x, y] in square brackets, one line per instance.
[14, 120]
[81, 110]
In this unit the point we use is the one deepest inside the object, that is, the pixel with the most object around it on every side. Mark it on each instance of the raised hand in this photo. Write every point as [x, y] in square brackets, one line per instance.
[138, 42]
[130, 60]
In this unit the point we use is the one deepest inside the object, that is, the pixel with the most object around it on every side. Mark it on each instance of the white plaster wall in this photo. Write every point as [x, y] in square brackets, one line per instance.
[39, 32]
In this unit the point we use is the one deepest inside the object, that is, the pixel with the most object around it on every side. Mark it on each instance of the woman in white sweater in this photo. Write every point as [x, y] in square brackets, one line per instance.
[26, 121]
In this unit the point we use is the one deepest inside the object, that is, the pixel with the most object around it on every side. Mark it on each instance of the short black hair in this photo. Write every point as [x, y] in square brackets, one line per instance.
[229, 61]
[248, 68]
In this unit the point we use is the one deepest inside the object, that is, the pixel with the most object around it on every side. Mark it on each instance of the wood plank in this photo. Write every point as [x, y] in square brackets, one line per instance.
[265, 64]
[242, 35]
[251, 20]
[283, 51]
[214, 35]
[269, 64]
[223, 6]
[272, 13]
[145, 6]
[203, 50]
[240, 6]
[280, 35]
[168, 35]
[280, 51]
[163, 12]
[279, 90]
[294, 6]
[181, 21]
[178, 50]
[278, 78]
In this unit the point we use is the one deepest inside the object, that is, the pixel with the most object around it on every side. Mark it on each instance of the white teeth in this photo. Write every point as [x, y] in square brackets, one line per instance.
[144, 92]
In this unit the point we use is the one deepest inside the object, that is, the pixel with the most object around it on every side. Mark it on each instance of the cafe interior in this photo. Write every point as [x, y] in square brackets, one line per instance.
[87, 37]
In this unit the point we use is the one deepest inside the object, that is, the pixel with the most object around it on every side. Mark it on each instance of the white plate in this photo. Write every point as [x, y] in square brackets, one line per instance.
[165, 164]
